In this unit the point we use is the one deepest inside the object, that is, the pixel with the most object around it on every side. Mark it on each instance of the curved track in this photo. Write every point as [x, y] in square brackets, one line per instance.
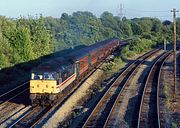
[148, 115]
[160, 124]
[107, 103]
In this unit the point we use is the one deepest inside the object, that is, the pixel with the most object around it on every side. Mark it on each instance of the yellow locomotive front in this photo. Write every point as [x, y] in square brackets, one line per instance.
[43, 83]
[43, 87]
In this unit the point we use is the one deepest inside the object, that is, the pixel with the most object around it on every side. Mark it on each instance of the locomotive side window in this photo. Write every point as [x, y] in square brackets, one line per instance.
[67, 72]
[64, 75]
[59, 79]
[70, 70]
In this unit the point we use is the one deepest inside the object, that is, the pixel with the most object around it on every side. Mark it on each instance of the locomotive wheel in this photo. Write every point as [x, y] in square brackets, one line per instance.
[34, 103]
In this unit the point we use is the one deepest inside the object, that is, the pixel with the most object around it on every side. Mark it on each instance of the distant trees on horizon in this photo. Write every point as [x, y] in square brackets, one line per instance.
[26, 39]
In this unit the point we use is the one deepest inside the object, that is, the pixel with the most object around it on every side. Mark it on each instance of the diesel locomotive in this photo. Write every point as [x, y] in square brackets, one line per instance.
[49, 79]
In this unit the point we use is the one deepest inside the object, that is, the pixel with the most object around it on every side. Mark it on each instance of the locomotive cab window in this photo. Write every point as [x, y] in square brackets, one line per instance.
[36, 76]
[43, 76]
[49, 76]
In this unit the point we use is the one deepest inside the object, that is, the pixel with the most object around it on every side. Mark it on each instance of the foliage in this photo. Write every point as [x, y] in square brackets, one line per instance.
[178, 28]
[26, 39]
[113, 66]
[23, 40]
[126, 53]
[136, 46]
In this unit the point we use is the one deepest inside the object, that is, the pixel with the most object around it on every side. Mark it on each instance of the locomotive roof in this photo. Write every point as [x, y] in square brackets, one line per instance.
[53, 65]
[86, 51]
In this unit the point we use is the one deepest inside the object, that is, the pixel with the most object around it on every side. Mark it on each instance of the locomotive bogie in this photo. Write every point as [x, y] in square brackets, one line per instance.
[42, 99]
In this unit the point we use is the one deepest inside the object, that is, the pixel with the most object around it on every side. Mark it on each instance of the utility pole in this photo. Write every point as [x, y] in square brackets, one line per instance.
[174, 39]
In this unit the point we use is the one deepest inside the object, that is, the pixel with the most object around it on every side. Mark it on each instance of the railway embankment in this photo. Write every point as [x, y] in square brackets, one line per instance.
[170, 106]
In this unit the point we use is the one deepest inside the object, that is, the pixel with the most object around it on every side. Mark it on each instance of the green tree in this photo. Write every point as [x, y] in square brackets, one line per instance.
[178, 29]
[136, 28]
[157, 25]
[41, 38]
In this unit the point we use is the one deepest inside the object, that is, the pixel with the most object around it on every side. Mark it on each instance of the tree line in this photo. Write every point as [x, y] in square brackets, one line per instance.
[22, 40]
[26, 39]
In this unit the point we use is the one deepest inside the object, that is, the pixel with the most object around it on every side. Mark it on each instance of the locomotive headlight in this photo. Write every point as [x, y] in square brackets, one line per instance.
[52, 97]
[32, 96]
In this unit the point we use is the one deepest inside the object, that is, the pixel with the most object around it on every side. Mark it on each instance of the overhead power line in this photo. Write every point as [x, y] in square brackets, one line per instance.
[140, 14]
[137, 10]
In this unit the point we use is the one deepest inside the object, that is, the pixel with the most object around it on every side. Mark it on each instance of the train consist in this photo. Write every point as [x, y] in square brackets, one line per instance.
[50, 79]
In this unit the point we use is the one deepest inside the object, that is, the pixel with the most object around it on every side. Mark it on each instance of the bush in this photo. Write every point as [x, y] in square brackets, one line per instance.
[140, 45]
[126, 53]
[136, 46]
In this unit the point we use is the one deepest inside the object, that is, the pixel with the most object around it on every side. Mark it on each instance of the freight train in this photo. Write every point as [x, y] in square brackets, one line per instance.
[50, 79]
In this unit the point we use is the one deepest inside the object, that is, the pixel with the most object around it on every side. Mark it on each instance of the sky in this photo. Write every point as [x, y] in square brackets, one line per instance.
[130, 8]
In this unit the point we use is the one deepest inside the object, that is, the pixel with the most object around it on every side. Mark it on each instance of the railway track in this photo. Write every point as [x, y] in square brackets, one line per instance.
[10, 95]
[125, 110]
[30, 118]
[100, 114]
[159, 94]
[148, 115]
[13, 103]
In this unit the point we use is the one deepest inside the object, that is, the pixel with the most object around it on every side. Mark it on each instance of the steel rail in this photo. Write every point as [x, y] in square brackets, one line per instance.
[160, 59]
[22, 117]
[158, 90]
[13, 89]
[13, 97]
